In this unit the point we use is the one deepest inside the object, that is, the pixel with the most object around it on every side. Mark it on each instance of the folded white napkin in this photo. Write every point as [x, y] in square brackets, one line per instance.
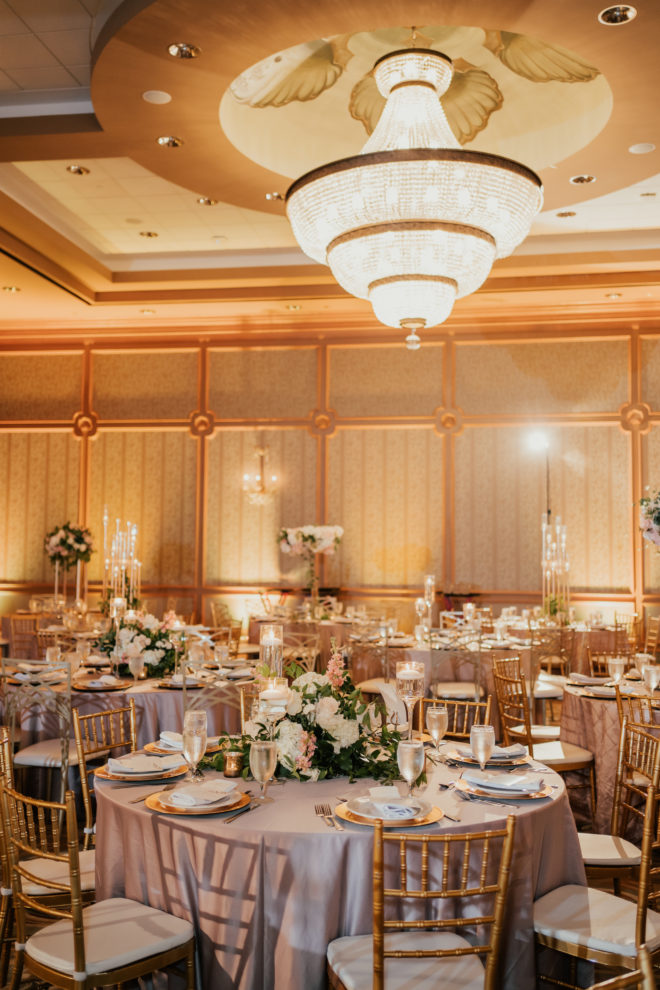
[142, 763]
[208, 792]
[50, 676]
[236, 672]
[499, 752]
[384, 793]
[587, 679]
[32, 668]
[104, 681]
[521, 783]
[174, 740]
[96, 660]
[394, 704]
[449, 804]
[600, 691]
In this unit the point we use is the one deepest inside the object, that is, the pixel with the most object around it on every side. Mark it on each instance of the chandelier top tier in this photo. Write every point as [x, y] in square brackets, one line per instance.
[414, 221]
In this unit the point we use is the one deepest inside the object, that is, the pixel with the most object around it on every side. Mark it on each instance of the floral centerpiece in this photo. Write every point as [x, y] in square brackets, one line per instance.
[328, 730]
[308, 542]
[68, 545]
[144, 636]
[649, 517]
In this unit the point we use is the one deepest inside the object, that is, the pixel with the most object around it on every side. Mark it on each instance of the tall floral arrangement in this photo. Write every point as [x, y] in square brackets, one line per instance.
[67, 544]
[309, 541]
[649, 517]
[144, 636]
[328, 730]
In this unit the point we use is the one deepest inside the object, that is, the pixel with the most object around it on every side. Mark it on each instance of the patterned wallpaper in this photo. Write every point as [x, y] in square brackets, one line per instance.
[415, 490]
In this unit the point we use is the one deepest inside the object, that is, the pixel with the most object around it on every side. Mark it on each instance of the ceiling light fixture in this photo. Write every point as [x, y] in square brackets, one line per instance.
[206, 201]
[582, 180]
[183, 49]
[270, 196]
[10, 288]
[157, 96]
[622, 13]
[169, 141]
[294, 307]
[77, 170]
[567, 213]
[643, 148]
[414, 221]
[147, 312]
[148, 233]
[613, 295]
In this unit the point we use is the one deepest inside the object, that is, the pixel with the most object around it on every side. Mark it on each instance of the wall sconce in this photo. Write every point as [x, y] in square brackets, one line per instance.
[259, 488]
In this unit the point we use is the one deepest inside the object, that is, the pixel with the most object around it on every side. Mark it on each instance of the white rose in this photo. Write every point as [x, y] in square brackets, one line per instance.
[294, 705]
[150, 622]
[326, 710]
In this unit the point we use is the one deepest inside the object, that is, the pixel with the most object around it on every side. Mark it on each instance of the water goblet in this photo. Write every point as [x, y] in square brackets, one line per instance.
[53, 654]
[437, 719]
[263, 760]
[410, 758]
[482, 741]
[136, 666]
[195, 657]
[616, 668]
[651, 675]
[410, 686]
[194, 741]
[221, 653]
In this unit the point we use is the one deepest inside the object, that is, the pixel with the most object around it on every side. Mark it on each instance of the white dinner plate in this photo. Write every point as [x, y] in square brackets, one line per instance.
[400, 810]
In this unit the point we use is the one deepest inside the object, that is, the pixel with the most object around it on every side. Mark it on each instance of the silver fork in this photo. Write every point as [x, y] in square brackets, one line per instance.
[327, 811]
[323, 811]
[159, 790]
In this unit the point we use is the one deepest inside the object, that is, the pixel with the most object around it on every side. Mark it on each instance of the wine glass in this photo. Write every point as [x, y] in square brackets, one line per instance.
[482, 741]
[194, 741]
[651, 675]
[437, 719]
[615, 669]
[263, 760]
[410, 686]
[196, 658]
[53, 654]
[410, 757]
[136, 666]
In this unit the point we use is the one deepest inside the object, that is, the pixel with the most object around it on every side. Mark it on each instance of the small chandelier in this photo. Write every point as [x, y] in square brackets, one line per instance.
[258, 489]
[413, 222]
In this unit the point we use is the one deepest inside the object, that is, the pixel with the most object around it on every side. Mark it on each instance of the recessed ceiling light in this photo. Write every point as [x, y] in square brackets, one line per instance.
[206, 201]
[647, 194]
[219, 237]
[274, 195]
[158, 96]
[613, 295]
[294, 307]
[147, 312]
[10, 288]
[148, 233]
[643, 148]
[579, 180]
[77, 170]
[183, 49]
[134, 220]
[169, 141]
[567, 213]
[622, 13]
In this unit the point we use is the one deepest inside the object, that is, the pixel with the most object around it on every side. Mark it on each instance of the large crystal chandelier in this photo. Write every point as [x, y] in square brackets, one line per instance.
[413, 222]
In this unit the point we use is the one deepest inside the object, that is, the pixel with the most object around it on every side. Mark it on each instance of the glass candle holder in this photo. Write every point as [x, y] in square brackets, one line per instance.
[271, 646]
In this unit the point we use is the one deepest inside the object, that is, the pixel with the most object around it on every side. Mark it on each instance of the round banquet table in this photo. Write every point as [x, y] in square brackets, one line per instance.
[268, 891]
[593, 723]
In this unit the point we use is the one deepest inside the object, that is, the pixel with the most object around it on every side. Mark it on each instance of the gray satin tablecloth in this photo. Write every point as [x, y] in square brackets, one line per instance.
[270, 890]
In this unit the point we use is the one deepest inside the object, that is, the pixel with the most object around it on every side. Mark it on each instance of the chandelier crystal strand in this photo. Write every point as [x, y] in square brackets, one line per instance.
[413, 222]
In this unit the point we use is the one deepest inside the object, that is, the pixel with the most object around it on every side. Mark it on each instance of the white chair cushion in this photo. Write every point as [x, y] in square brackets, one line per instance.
[548, 732]
[608, 850]
[50, 869]
[461, 690]
[117, 932]
[557, 679]
[351, 958]
[542, 690]
[593, 919]
[47, 753]
[561, 754]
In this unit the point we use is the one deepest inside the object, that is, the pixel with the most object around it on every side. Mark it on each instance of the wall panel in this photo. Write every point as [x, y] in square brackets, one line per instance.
[40, 386]
[270, 383]
[145, 385]
[385, 381]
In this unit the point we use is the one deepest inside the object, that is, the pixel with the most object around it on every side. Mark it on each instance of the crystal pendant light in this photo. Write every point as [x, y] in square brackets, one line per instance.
[414, 221]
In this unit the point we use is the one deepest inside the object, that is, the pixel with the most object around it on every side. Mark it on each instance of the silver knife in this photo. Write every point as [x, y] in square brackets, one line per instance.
[250, 807]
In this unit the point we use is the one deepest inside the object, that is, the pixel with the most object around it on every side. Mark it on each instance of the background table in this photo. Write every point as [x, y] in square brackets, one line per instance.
[270, 890]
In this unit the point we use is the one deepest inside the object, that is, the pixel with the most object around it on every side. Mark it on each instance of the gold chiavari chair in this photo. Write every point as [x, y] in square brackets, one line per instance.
[627, 629]
[642, 977]
[638, 767]
[23, 637]
[598, 662]
[220, 613]
[461, 715]
[97, 735]
[588, 923]
[542, 741]
[636, 708]
[464, 651]
[411, 951]
[104, 943]
[652, 638]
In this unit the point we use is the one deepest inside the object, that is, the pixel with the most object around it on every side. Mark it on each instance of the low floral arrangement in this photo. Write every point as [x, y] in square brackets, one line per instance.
[328, 730]
[68, 544]
[649, 517]
[144, 636]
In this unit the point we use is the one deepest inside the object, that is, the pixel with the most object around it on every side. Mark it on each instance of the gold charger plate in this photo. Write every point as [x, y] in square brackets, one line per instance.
[470, 761]
[502, 795]
[167, 809]
[137, 778]
[168, 686]
[106, 687]
[153, 747]
[434, 815]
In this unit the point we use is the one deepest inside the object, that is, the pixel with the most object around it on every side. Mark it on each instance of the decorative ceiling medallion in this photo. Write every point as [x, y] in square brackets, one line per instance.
[202, 424]
[448, 421]
[635, 416]
[323, 422]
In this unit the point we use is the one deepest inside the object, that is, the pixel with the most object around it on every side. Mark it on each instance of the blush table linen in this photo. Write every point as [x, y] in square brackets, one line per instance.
[268, 891]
